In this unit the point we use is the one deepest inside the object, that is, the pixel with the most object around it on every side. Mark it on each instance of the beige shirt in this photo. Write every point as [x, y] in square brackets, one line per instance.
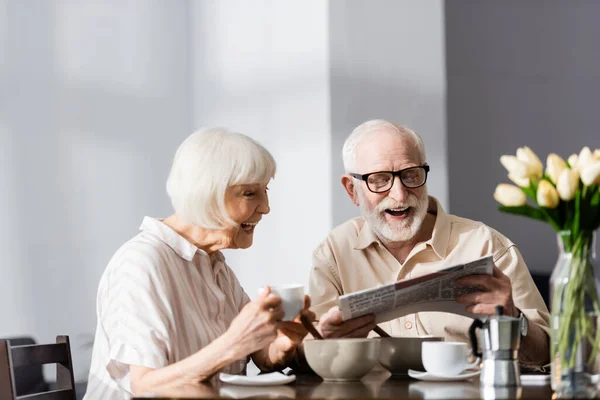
[160, 300]
[352, 258]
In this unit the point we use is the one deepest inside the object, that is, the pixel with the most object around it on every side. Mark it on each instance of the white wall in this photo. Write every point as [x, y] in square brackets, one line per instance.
[96, 96]
[388, 61]
[261, 67]
[91, 95]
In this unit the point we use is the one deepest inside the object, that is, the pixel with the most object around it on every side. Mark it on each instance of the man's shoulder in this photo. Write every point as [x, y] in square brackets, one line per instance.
[476, 230]
[349, 229]
[343, 235]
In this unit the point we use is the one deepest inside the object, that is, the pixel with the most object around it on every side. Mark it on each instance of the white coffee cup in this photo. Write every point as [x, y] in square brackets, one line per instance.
[292, 299]
[446, 359]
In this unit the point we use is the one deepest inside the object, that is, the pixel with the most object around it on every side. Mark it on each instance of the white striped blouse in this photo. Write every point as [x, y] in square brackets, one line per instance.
[160, 300]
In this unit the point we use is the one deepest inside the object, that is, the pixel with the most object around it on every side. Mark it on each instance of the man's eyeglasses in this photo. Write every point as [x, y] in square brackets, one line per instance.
[382, 181]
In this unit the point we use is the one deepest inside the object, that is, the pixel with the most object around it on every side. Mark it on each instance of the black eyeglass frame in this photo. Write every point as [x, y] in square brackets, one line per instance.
[365, 177]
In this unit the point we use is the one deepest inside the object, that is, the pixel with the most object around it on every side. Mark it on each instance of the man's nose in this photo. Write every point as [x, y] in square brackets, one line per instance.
[398, 191]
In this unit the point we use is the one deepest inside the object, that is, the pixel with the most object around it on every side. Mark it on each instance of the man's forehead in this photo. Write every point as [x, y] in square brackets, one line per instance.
[382, 147]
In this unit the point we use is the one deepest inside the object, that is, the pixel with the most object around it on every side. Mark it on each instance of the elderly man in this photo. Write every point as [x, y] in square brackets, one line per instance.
[404, 233]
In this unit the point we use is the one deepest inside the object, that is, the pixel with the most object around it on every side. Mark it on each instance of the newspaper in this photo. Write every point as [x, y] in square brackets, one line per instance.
[433, 292]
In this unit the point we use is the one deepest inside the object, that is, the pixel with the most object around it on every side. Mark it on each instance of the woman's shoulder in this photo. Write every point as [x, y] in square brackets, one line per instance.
[144, 253]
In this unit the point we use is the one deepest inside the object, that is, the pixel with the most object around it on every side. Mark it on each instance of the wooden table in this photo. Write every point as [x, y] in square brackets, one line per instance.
[376, 385]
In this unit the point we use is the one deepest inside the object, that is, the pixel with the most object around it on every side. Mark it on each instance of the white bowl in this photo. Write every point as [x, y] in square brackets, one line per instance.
[341, 360]
[399, 354]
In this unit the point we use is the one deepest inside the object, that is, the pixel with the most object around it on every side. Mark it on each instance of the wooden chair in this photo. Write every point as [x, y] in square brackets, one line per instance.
[22, 356]
[29, 379]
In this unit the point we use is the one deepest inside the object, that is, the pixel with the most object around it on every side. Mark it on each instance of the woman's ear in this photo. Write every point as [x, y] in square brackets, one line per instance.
[348, 183]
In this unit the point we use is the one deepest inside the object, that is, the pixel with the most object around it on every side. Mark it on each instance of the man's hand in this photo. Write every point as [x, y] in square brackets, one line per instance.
[496, 290]
[331, 325]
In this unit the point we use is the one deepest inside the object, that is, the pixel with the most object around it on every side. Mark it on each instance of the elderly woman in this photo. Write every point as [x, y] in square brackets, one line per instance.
[170, 311]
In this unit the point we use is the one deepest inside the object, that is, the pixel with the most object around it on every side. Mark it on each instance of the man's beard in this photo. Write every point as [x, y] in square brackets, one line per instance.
[396, 231]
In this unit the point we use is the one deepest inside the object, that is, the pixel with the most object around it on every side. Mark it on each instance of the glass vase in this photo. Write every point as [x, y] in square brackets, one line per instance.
[575, 311]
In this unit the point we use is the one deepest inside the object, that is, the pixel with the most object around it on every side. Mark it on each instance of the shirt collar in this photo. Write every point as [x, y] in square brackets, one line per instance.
[441, 230]
[439, 238]
[366, 237]
[174, 240]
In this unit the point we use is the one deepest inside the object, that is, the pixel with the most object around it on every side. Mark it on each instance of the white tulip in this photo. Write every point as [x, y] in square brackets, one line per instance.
[573, 161]
[590, 174]
[554, 166]
[585, 157]
[597, 154]
[547, 196]
[567, 185]
[515, 167]
[521, 182]
[509, 195]
[526, 155]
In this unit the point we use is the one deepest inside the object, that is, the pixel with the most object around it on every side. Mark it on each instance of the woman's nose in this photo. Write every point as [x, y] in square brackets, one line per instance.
[264, 207]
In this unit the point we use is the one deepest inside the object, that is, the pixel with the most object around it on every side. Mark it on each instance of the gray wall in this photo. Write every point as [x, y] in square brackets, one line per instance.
[518, 73]
[387, 61]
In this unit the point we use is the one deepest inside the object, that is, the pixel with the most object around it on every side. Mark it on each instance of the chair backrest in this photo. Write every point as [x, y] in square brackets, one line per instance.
[12, 357]
[27, 379]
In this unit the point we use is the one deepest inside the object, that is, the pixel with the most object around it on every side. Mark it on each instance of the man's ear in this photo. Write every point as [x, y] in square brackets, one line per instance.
[348, 183]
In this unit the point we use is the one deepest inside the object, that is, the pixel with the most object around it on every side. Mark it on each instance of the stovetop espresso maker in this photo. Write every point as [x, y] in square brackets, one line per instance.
[499, 337]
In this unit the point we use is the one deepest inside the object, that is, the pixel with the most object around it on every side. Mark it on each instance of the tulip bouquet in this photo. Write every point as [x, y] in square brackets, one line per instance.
[565, 195]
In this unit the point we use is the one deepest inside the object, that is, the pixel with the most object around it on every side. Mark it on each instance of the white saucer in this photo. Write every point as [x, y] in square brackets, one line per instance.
[426, 376]
[270, 392]
[272, 379]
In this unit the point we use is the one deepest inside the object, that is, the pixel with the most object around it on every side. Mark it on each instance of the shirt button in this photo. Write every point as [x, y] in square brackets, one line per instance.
[408, 325]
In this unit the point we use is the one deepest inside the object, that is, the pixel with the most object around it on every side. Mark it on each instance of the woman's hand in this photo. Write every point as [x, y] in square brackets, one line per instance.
[289, 335]
[254, 328]
[256, 325]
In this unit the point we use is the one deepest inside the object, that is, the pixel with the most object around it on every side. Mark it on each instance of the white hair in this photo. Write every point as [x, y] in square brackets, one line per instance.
[205, 165]
[360, 133]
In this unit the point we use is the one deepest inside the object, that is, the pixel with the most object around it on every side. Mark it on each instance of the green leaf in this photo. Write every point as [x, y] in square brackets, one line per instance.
[550, 215]
[595, 208]
[576, 218]
[595, 198]
[530, 191]
[589, 208]
[555, 215]
[569, 207]
[526, 211]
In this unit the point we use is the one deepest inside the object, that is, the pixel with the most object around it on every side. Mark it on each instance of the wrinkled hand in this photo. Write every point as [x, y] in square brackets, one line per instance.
[331, 325]
[496, 290]
[255, 327]
[290, 334]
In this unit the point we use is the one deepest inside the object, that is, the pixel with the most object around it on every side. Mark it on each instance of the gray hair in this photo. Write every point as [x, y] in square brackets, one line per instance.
[360, 133]
[205, 165]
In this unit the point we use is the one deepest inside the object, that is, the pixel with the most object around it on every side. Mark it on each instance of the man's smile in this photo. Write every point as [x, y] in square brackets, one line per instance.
[398, 213]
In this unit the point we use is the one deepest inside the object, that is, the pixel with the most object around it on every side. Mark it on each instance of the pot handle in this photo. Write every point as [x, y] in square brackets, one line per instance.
[477, 323]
